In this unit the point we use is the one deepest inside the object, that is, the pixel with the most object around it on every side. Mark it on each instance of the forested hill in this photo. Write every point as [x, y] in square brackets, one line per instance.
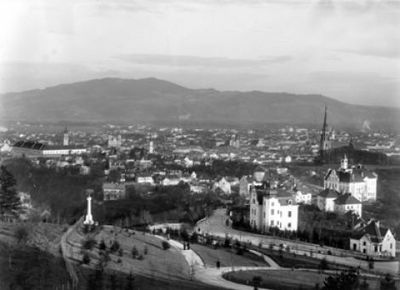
[154, 100]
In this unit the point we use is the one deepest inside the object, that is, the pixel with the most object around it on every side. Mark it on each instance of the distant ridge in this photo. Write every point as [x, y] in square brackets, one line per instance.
[154, 100]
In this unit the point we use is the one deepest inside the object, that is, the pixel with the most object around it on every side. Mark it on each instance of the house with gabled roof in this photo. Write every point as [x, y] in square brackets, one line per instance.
[346, 202]
[374, 240]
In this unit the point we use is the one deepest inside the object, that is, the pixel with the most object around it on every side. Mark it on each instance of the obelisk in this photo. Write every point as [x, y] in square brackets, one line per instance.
[89, 217]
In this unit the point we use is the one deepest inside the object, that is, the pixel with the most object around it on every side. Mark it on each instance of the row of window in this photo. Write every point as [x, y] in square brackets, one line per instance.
[279, 224]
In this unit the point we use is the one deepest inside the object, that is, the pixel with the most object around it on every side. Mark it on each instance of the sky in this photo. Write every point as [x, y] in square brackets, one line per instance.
[347, 50]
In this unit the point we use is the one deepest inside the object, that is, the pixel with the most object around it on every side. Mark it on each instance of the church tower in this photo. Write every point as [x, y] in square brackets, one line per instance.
[325, 143]
[65, 137]
[344, 164]
[151, 147]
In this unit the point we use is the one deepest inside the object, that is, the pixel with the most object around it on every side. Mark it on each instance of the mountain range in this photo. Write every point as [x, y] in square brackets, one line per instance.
[154, 100]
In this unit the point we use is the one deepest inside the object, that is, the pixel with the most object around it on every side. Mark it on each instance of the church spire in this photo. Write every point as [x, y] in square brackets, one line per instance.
[323, 136]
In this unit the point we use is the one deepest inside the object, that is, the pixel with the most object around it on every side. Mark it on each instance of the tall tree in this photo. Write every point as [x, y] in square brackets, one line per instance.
[9, 200]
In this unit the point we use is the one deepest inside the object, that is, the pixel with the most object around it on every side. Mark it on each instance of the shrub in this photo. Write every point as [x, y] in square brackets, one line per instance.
[89, 243]
[165, 245]
[85, 259]
[140, 257]
[227, 243]
[134, 252]
[239, 251]
[102, 245]
[115, 246]
[323, 265]
[22, 234]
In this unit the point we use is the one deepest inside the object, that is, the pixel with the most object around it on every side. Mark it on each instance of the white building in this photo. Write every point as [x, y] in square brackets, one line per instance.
[374, 240]
[270, 209]
[305, 198]
[361, 183]
[146, 179]
[223, 185]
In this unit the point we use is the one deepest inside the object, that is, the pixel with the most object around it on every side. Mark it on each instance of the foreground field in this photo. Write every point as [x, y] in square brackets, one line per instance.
[31, 261]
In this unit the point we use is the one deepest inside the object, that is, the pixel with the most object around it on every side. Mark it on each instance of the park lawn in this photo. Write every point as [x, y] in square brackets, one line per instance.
[157, 263]
[227, 257]
[286, 279]
[279, 279]
[290, 260]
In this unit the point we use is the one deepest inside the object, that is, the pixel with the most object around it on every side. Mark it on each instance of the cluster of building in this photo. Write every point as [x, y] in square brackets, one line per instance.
[346, 188]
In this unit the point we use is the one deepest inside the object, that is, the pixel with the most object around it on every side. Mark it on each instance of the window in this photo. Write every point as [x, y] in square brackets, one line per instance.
[289, 225]
[272, 212]
[289, 214]
[272, 203]
[272, 223]
[390, 245]
[376, 248]
[364, 243]
[354, 247]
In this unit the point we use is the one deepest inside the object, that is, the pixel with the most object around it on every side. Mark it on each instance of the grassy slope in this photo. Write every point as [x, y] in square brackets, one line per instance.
[31, 268]
[159, 269]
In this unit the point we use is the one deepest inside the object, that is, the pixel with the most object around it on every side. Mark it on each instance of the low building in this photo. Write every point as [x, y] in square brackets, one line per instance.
[146, 179]
[223, 185]
[114, 191]
[374, 240]
[326, 199]
[304, 198]
[346, 202]
[36, 149]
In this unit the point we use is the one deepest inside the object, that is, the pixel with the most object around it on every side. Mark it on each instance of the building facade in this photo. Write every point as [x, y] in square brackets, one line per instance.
[361, 183]
[270, 209]
[374, 240]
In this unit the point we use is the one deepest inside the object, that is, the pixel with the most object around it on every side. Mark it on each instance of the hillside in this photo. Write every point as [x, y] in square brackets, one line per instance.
[153, 100]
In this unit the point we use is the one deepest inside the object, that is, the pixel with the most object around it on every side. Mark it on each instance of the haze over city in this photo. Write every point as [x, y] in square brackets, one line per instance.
[347, 50]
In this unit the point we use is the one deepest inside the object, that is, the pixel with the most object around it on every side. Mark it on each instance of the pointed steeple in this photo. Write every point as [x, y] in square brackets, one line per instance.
[323, 136]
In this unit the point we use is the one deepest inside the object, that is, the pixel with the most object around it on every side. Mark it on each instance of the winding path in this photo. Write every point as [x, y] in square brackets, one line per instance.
[67, 252]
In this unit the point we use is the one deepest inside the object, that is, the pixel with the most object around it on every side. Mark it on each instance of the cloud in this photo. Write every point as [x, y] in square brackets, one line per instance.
[189, 61]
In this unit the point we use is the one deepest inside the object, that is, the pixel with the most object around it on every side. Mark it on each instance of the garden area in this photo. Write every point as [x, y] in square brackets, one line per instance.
[128, 251]
[301, 279]
[227, 257]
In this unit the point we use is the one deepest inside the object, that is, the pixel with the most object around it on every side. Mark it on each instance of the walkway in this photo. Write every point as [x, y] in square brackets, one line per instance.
[67, 251]
[213, 275]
